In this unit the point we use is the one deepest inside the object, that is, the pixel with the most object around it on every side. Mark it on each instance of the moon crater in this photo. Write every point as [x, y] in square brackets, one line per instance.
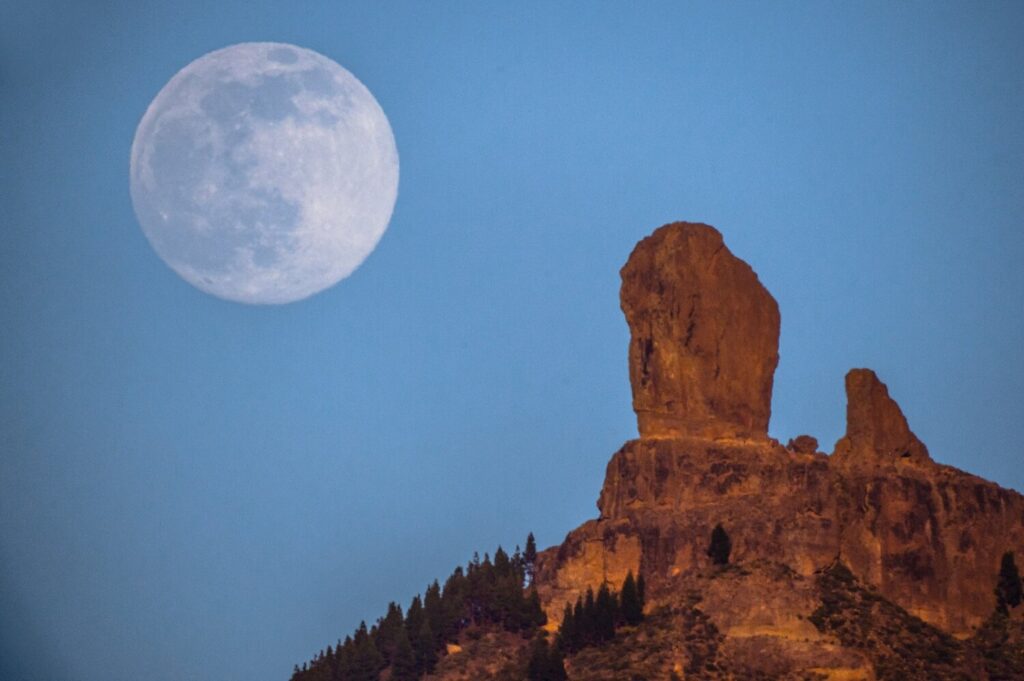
[264, 173]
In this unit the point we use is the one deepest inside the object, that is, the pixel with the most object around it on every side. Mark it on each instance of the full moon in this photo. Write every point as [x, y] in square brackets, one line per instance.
[264, 173]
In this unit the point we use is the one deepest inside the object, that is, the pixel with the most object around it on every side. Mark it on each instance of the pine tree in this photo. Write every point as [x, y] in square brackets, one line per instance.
[567, 630]
[344, 658]
[606, 612]
[540, 659]
[508, 606]
[517, 560]
[425, 649]
[502, 564]
[453, 604]
[556, 664]
[589, 619]
[579, 623]
[403, 661]
[387, 630]
[367, 661]
[530, 557]
[433, 612]
[721, 546]
[534, 611]
[631, 608]
[1008, 587]
[414, 618]
[547, 663]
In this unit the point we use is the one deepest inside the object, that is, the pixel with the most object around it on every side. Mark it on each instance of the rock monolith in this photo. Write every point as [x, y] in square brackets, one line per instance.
[705, 337]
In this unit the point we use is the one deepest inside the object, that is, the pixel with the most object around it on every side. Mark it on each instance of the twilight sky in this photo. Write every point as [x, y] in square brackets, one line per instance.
[197, 489]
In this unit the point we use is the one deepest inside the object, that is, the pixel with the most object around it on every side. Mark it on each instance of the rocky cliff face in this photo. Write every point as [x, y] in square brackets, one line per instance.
[703, 352]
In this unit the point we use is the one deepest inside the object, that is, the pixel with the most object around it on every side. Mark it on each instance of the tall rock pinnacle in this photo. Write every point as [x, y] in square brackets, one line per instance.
[705, 337]
[876, 430]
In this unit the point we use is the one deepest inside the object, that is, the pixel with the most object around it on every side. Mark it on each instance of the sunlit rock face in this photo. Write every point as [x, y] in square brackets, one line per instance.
[705, 336]
[704, 345]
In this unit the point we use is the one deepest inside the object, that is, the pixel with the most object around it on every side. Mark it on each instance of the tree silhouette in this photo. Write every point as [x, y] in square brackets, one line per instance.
[403, 662]
[1008, 586]
[387, 630]
[530, 557]
[536, 668]
[721, 546]
[367, 661]
[556, 664]
[546, 662]
[425, 649]
[606, 612]
[567, 630]
[631, 606]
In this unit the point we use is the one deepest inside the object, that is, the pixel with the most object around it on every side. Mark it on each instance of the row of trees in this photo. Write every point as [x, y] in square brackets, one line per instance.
[485, 592]
[594, 619]
[591, 621]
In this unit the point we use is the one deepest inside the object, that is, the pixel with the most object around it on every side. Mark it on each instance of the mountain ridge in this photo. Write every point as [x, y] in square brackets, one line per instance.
[872, 562]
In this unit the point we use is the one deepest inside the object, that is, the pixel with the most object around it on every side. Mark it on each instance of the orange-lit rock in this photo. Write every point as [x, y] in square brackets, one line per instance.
[705, 336]
[877, 433]
[929, 537]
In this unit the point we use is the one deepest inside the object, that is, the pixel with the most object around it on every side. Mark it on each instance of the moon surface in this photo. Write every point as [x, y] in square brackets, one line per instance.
[264, 173]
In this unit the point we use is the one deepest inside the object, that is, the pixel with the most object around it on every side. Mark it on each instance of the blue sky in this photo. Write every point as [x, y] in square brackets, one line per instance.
[196, 489]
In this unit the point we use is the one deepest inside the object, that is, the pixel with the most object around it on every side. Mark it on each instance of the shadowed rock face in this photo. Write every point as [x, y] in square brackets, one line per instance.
[704, 346]
[705, 337]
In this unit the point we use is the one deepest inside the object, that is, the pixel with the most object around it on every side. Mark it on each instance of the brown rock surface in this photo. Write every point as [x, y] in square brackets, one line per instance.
[803, 444]
[872, 563]
[877, 433]
[705, 336]
[928, 537]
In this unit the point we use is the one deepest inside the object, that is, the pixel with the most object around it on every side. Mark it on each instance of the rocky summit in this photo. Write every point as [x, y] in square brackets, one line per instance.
[719, 553]
[923, 537]
[705, 337]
